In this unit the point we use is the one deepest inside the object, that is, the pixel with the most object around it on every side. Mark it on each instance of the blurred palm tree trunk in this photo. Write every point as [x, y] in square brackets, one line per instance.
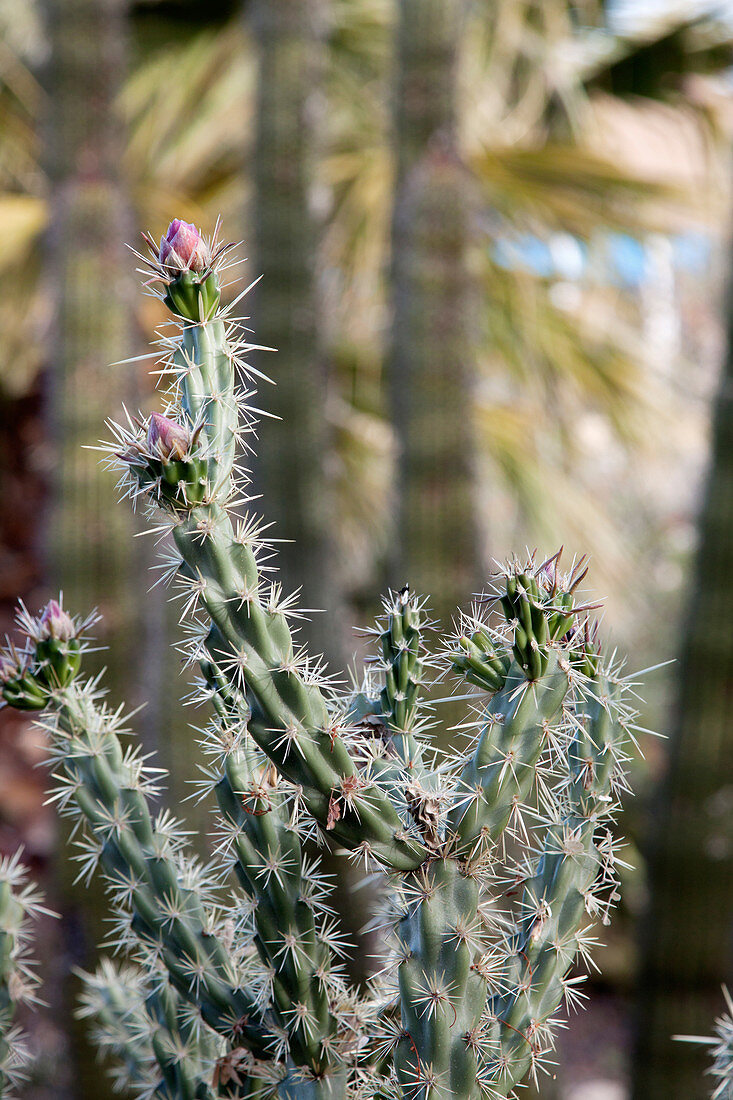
[291, 463]
[90, 549]
[290, 469]
[688, 942]
[430, 356]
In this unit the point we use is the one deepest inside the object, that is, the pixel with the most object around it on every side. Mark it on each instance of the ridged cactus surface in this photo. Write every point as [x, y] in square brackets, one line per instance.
[495, 861]
[20, 904]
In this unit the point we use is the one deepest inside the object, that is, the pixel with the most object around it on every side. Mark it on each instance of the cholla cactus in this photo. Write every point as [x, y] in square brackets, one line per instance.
[722, 1048]
[20, 904]
[146, 1031]
[497, 861]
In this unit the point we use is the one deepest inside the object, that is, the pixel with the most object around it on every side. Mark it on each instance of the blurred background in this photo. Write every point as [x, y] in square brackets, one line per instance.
[494, 241]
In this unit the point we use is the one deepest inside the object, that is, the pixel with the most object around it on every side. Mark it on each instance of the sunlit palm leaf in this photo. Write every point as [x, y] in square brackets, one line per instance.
[188, 138]
[558, 501]
[667, 47]
[559, 186]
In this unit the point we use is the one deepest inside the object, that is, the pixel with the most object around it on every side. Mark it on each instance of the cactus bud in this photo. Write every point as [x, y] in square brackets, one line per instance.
[170, 441]
[58, 650]
[8, 668]
[18, 687]
[55, 623]
[183, 248]
[480, 661]
[186, 264]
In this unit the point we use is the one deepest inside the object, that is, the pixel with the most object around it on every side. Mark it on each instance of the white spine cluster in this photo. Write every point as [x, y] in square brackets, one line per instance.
[721, 1044]
[20, 905]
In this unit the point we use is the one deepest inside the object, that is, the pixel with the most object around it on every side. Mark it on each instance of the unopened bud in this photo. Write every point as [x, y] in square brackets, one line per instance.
[168, 440]
[183, 248]
[55, 623]
[8, 668]
[18, 687]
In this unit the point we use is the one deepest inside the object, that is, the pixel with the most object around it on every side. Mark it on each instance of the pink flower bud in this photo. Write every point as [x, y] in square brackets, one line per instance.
[55, 623]
[183, 248]
[166, 439]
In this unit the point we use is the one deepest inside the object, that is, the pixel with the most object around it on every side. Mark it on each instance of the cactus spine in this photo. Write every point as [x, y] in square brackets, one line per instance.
[722, 1049]
[244, 984]
[20, 903]
[149, 1032]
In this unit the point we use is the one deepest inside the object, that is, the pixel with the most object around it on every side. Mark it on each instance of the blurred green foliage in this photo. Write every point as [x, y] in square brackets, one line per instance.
[523, 117]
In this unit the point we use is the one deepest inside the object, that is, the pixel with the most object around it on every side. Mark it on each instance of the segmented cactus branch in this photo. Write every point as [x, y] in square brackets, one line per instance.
[157, 1047]
[289, 717]
[286, 893]
[157, 892]
[443, 995]
[290, 913]
[400, 639]
[20, 903]
[388, 714]
[500, 775]
[253, 644]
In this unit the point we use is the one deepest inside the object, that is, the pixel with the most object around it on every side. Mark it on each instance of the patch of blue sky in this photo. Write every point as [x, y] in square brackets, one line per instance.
[527, 252]
[631, 17]
[618, 259]
[627, 262]
[692, 252]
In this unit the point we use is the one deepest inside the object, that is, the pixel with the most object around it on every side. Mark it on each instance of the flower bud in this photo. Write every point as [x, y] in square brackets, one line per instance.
[166, 439]
[8, 668]
[55, 623]
[183, 248]
[18, 687]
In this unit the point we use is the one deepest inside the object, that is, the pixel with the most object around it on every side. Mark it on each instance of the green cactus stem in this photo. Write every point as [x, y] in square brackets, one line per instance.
[501, 773]
[252, 641]
[442, 993]
[20, 905]
[477, 658]
[285, 897]
[389, 712]
[151, 1035]
[573, 884]
[289, 718]
[107, 788]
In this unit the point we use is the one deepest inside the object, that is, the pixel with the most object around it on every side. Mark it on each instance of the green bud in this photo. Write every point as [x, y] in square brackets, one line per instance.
[192, 297]
[18, 687]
